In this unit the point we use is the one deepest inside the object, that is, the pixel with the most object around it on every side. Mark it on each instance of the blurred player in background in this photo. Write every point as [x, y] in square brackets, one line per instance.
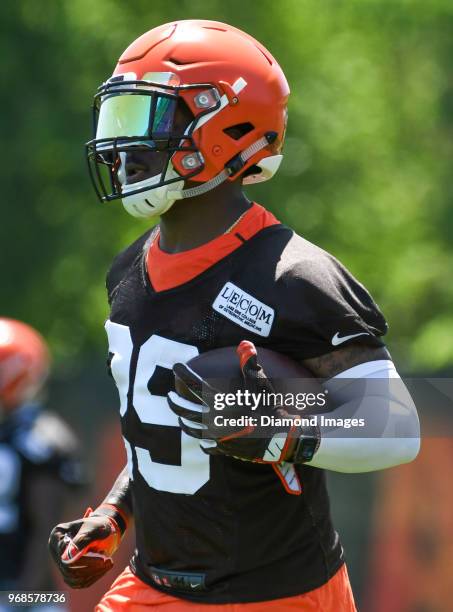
[38, 461]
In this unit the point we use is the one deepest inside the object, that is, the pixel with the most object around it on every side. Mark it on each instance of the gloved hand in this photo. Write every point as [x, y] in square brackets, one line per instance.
[271, 443]
[83, 549]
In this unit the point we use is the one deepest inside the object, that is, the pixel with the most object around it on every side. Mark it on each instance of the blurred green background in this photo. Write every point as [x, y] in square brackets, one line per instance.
[366, 175]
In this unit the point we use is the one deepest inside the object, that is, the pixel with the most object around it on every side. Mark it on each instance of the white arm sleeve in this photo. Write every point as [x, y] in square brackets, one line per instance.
[374, 392]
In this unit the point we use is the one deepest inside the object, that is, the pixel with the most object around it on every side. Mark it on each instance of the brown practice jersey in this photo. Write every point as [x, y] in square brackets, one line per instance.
[213, 528]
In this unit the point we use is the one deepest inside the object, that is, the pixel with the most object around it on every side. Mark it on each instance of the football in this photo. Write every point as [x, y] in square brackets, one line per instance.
[220, 368]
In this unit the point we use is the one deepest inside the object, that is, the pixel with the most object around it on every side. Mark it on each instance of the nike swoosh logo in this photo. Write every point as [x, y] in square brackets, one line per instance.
[336, 340]
[194, 586]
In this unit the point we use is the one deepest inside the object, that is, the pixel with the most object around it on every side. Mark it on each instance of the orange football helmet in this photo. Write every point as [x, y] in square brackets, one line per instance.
[229, 86]
[24, 362]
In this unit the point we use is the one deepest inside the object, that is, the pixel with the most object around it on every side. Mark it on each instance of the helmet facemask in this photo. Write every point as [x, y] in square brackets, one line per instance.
[139, 127]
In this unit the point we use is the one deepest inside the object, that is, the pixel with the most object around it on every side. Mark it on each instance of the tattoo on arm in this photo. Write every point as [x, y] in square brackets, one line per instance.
[346, 357]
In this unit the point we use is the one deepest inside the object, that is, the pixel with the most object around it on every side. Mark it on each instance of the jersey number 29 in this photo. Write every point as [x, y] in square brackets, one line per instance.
[193, 472]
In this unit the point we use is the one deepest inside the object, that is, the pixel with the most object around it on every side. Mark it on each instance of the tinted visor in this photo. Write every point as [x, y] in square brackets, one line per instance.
[126, 115]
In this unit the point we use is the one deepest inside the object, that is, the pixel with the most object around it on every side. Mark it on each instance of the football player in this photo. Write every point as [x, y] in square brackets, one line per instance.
[38, 461]
[194, 111]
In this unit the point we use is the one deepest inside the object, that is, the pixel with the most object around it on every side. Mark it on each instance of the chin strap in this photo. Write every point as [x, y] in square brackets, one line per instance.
[232, 167]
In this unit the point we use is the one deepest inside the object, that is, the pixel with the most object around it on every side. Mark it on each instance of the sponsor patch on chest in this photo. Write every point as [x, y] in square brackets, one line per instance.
[244, 310]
